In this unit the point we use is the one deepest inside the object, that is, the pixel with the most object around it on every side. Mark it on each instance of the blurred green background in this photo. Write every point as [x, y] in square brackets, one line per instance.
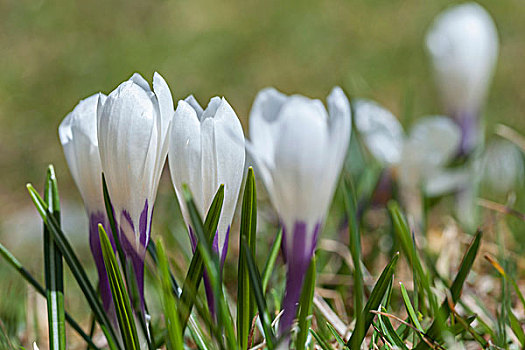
[55, 53]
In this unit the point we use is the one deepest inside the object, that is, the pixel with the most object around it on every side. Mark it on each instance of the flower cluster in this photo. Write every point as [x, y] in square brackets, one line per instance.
[297, 145]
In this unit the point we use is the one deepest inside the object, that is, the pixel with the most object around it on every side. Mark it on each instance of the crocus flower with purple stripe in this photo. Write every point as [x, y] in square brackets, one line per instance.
[207, 150]
[299, 150]
[133, 126]
[78, 135]
[463, 46]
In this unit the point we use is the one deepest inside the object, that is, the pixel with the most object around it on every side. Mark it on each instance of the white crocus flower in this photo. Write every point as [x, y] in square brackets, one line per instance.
[299, 151]
[463, 46]
[78, 135]
[418, 159]
[133, 126]
[207, 150]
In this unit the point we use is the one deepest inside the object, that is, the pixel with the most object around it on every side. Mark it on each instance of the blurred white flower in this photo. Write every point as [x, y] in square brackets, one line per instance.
[299, 151]
[207, 150]
[431, 144]
[502, 166]
[133, 126]
[380, 129]
[463, 46]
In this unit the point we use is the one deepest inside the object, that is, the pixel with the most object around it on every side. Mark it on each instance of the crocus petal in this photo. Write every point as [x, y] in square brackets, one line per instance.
[463, 45]
[502, 166]
[205, 152]
[381, 131]
[432, 142]
[78, 135]
[185, 155]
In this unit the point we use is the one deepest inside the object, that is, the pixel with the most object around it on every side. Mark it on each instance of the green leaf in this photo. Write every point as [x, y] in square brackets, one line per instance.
[306, 303]
[455, 290]
[128, 330]
[272, 257]
[53, 268]
[389, 331]
[323, 343]
[355, 246]
[74, 264]
[257, 290]
[6, 254]
[408, 305]
[336, 336]
[245, 302]
[378, 292]
[196, 269]
[205, 233]
[169, 303]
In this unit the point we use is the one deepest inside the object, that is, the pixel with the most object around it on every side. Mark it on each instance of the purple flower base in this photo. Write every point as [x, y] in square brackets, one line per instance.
[133, 253]
[96, 250]
[298, 257]
[469, 124]
[215, 246]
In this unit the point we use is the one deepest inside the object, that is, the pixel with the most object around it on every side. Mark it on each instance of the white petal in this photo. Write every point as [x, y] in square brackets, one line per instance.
[300, 152]
[263, 115]
[78, 135]
[502, 166]
[140, 81]
[432, 142]
[185, 155]
[463, 45]
[195, 104]
[126, 128]
[222, 161]
[340, 125]
[381, 131]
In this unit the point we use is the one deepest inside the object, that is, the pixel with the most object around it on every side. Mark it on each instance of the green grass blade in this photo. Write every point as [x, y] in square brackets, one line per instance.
[196, 269]
[378, 292]
[128, 330]
[455, 290]
[53, 268]
[323, 343]
[257, 290]
[270, 261]
[389, 331]
[245, 301]
[355, 246]
[169, 303]
[74, 264]
[306, 304]
[410, 309]
[205, 233]
[6, 254]
[336, 335]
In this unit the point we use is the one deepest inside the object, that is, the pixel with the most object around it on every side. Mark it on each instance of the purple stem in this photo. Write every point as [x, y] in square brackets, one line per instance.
[298, 257]
[215, 246]
[96, 250]
[136, 254]
[468, 122]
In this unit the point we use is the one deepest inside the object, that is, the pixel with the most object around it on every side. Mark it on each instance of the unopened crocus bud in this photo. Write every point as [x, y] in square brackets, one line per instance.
[133, 126]
[206, 151]
[78, 135]
[299, 150]
[463, 46]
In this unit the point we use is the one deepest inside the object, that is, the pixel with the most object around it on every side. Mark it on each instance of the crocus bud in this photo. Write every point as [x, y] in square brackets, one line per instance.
[133, 126]
[299, 150]
[78, 135]
[206, 151]
[463, 46]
